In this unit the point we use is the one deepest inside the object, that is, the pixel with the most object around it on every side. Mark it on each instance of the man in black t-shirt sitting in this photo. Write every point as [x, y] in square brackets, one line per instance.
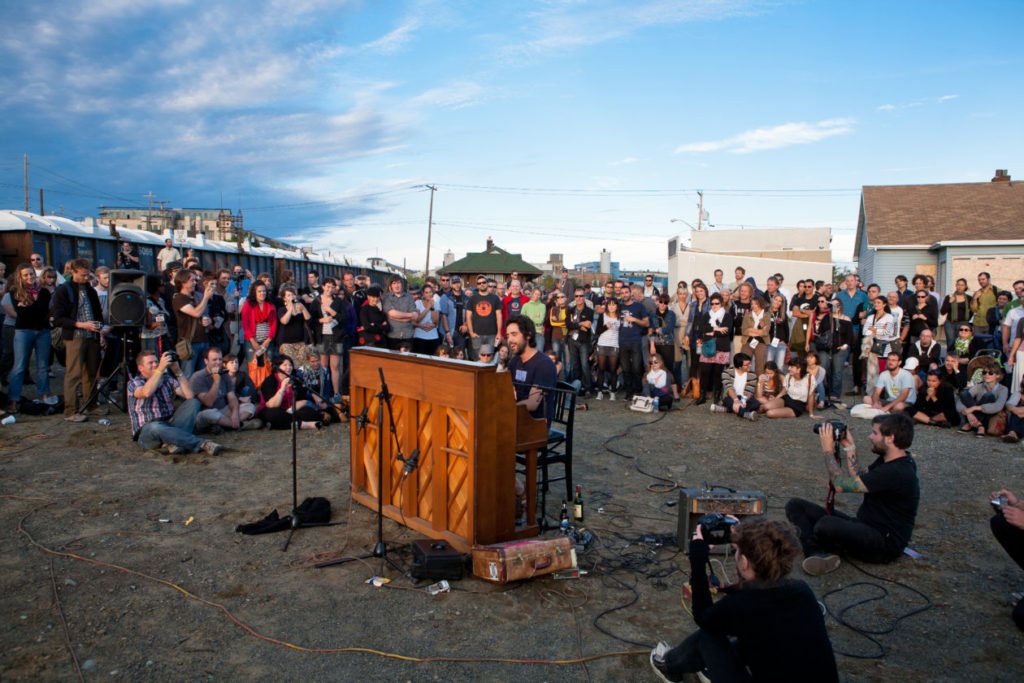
[532, 372]
[885, 520]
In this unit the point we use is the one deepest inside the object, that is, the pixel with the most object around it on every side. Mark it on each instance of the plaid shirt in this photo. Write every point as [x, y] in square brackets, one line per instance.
[159, 406]
[84, 313]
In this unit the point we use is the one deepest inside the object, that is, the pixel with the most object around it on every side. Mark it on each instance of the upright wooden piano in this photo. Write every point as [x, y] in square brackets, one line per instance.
[463, 418]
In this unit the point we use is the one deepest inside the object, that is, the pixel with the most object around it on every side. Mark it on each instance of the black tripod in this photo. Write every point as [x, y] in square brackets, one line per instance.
[101, 393]
[381, 548]
[297, 521]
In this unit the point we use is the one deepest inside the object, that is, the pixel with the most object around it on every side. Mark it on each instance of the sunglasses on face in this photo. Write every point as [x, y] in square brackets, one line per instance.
[965, 329]
[989, 372]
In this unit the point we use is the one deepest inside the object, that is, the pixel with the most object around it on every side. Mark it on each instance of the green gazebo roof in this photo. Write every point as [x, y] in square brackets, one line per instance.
[493, 260]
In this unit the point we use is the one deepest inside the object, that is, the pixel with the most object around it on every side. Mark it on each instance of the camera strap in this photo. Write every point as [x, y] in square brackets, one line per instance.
[830, 499]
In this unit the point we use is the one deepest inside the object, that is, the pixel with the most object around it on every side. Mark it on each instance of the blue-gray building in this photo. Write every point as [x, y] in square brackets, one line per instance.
[947, 231]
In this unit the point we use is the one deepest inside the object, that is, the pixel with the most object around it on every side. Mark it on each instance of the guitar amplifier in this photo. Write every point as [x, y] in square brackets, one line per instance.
[695, 503]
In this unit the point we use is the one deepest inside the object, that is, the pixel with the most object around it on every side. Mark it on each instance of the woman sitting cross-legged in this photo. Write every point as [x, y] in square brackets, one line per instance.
[768, 627]
[798, 393]
[280, 403]
[935, 404]
[980, 402]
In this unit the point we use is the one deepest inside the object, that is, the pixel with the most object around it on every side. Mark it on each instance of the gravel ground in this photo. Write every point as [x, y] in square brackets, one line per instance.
[195, 589]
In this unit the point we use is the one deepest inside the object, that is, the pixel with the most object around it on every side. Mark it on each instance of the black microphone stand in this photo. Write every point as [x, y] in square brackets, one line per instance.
[380, 550]
[297, 522]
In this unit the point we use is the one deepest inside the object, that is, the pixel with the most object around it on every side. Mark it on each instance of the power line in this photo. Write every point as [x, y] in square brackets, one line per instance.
[781, 192]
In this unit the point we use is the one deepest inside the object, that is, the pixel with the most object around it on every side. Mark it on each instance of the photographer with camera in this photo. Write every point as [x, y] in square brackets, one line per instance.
[155, 422]
[1008, 528]
[767, 627]
[885, 519]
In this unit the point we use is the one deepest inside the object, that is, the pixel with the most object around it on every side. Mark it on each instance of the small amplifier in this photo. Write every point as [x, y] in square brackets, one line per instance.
[695, 503]
[436, 559]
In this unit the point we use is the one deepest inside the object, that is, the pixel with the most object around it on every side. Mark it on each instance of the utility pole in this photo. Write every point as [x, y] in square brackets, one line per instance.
[700, 207]
[163, 216]
[149, 214]
[26, 183]
[430, 226]
[42, 212]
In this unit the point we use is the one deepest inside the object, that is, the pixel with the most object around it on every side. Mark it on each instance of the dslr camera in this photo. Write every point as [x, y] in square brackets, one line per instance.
[838, 428]
[173, 355]
[716, 528]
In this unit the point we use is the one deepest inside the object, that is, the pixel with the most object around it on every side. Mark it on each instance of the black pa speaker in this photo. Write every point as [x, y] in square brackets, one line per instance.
[126, 303]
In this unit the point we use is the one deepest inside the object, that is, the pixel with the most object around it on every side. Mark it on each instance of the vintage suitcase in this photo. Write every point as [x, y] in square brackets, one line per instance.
[518, 560]
[436, 559]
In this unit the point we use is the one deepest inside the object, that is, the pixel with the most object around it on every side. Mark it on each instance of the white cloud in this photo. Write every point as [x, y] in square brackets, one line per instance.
[916, 103]
[393, 40]
[566, 25]
[945, 98]
[452, 96]
[623, 162]
[758, 139]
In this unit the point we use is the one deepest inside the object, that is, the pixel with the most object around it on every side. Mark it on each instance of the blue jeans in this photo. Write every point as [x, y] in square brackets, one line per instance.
[835, 375]
[777, 354]
[25, 341]
[189, 366]
[558, 346]
[177, 432]
[579, 363]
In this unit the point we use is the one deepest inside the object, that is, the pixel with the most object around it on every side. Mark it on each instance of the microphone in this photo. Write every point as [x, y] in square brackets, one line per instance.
[361, 418]
[411, 462]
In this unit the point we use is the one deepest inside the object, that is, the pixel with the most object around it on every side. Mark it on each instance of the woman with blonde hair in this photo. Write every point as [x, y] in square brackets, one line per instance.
[31, 333]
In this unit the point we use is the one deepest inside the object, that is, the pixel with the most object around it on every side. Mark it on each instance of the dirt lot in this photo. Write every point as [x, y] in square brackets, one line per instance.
[190, 599]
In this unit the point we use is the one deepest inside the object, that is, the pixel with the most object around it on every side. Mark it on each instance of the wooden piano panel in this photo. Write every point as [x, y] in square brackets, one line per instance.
[462, 417]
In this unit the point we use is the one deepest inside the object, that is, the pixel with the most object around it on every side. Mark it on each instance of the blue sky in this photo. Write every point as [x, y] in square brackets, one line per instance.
[552, 126]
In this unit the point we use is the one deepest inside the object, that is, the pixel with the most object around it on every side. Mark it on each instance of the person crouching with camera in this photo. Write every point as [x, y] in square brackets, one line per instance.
[885, 519]
[1008, 528]
[768, 626]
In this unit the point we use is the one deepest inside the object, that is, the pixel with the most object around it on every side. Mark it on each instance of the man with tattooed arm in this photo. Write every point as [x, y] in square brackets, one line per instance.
[885, 519]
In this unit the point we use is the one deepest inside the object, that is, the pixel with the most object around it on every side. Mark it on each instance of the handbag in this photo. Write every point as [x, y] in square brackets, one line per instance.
[708, 348]
[878, 346]
[184, 346]
[692, 388]
[644, 404]
[997, 424]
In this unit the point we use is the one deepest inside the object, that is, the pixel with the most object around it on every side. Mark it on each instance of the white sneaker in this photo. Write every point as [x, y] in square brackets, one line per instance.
[715, 408]
[599, 392]
[611, 395]
[657, 659]
[750, 415]
[816, 565]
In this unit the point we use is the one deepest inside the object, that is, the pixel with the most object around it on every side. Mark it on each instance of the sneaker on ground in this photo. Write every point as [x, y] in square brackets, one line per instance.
[210, 447]
[171, 449]
[750, 415]
[611, 395]
[715, 408]
[254, 423]
[51, 400]
[816, 565]
[598, 397]
[657, 659]
[76, 417]
[839, 405]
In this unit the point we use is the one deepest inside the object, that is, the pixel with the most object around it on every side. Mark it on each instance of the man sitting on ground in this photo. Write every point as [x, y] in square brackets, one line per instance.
[885, 520]
[155, 422]
[894, 390]
[220, 406]
[739, 384]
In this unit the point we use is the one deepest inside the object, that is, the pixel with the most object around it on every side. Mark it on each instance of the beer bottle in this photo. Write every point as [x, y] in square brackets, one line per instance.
[563, 517]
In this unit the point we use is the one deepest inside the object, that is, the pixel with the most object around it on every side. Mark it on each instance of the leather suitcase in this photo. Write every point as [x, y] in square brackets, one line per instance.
[518, 560]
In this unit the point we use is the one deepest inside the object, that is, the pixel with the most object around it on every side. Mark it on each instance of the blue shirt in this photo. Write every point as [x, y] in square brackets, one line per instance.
[629, 332]
[851, 305]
